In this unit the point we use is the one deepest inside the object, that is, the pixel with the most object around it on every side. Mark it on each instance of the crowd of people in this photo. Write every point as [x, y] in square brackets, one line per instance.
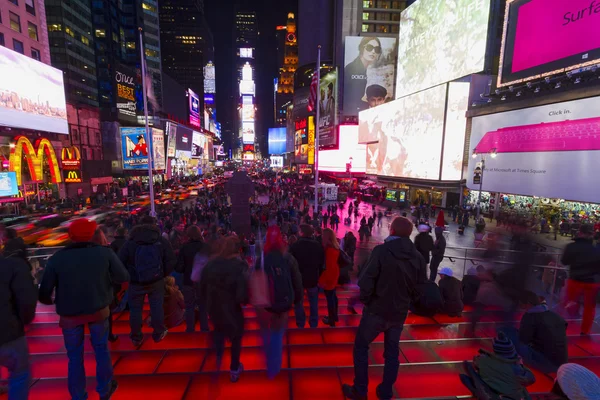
[194, 270]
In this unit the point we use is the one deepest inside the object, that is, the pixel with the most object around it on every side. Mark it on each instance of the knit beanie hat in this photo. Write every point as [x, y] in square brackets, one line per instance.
[82, 230]
[503, 346]
[578, 382]
[401, 226]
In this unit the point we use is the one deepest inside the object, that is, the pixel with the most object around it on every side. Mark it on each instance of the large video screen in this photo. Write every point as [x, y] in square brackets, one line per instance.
[562, 163]
[440, 42]
[456, 127]
[546, 37]
[350, 151]
[32, 94]
[409, 133]
[8, 184]
[277, 140]
[369, 70]
[135, 148]
[328, 110]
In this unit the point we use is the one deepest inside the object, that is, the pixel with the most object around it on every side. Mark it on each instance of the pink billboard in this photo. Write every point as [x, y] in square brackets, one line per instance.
[350, 151]
[543, 37]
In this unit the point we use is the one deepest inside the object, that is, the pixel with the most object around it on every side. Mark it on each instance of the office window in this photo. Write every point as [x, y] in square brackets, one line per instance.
[15, 21]
[69, 31]
[30, 6]
[35, 54]
[100, 33]
[1, 39]
[15, 2]
[85, 40]
[368, 3]
[32, 30]
[18, 46]
[54, 28]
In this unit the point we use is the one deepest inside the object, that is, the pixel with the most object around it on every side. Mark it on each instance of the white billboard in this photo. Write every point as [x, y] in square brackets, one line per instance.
[456, 129]
[32, 94]
[409, 132]
[551, 151]
[440, 42]
[350, 151]
[276, 161]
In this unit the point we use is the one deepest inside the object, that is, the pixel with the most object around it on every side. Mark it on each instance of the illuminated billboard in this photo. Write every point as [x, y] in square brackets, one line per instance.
[198, 144]
[135, 148]
[125, 81]
[246, 52]
[547, 37]
[456, 128]
[8, 184]
[276, 161]
[409, 132]
[440, 42]
[301, 141]
[328, 110]
[248, 132]
[369, 72]
[553, 165]
[194, 103]
[247, 112]
[350, 151]
[210, 83]
[277, 140]
[32, 94]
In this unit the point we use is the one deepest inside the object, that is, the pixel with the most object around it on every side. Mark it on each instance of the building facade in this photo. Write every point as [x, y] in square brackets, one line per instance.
[287, 69]
[23, 28]
[246, 41]
[70, 32]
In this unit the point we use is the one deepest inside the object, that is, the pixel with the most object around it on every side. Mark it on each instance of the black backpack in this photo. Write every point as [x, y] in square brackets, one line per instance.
[148, 262]
[279, 272]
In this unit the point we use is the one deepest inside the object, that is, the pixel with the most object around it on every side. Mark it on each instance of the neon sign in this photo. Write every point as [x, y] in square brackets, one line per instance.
[34, 157]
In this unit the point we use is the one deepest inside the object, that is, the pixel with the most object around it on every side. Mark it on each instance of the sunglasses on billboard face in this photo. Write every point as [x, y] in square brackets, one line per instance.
[370, 47]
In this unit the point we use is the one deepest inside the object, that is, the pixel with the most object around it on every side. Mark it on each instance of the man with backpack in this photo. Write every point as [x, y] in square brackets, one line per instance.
[310, 257]
[285, 284]
[387, 287]
[149, 258]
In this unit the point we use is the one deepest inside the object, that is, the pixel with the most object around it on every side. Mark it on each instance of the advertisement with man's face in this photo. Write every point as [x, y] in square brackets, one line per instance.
[32, 94]
[549, 151]
[369, 72]
[328, 110]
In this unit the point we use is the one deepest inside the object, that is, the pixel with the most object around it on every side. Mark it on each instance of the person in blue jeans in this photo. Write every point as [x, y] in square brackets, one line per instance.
[387, 287]
[286, 293]
[83, 275]
[310, 257]
[18, 299]
[145, 242]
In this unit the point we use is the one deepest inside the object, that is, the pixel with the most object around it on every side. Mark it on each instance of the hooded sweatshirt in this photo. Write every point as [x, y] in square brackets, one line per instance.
[546, 332]
[146, 234]
[392, 269]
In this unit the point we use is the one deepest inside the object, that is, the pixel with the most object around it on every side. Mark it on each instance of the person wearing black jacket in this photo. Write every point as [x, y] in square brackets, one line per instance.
[451, 292]
[82, 275]
[194, 249]
[583, 260]
[542, 336]
[387, 288]
[424, 242]
[18, 299]
[311, 258]
[147, 235]
[437, 252]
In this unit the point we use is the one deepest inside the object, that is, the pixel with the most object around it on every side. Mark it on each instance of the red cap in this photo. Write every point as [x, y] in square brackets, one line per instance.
[82, 230]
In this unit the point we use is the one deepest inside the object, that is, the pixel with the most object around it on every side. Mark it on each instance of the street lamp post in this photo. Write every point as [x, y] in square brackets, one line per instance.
[493, 153]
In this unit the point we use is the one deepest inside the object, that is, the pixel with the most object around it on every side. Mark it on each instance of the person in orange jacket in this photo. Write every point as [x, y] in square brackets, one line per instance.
[329, 278]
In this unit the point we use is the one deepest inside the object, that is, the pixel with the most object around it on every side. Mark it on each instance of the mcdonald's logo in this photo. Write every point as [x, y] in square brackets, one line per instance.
[72, 177]
[71, 158]
[34, 158]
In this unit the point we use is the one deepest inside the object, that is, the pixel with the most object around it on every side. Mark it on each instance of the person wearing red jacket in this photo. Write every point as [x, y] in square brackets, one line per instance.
[329, 278]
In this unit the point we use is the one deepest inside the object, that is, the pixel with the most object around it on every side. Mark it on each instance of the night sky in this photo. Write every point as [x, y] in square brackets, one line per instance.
[221, 19]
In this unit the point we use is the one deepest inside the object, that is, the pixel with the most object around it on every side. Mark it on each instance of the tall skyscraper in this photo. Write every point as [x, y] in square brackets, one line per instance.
[246, 38]
[315, 27]
[186, 42]
[71, 37]
[116, 37]
[287, 68]
[23, 28]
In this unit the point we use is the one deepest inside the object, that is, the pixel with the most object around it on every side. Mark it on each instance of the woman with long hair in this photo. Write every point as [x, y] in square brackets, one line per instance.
[223, 288]
[329, 278]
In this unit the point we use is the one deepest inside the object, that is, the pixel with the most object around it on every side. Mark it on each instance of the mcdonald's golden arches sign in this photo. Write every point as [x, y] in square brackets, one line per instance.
[34, 157]
[72, 176]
